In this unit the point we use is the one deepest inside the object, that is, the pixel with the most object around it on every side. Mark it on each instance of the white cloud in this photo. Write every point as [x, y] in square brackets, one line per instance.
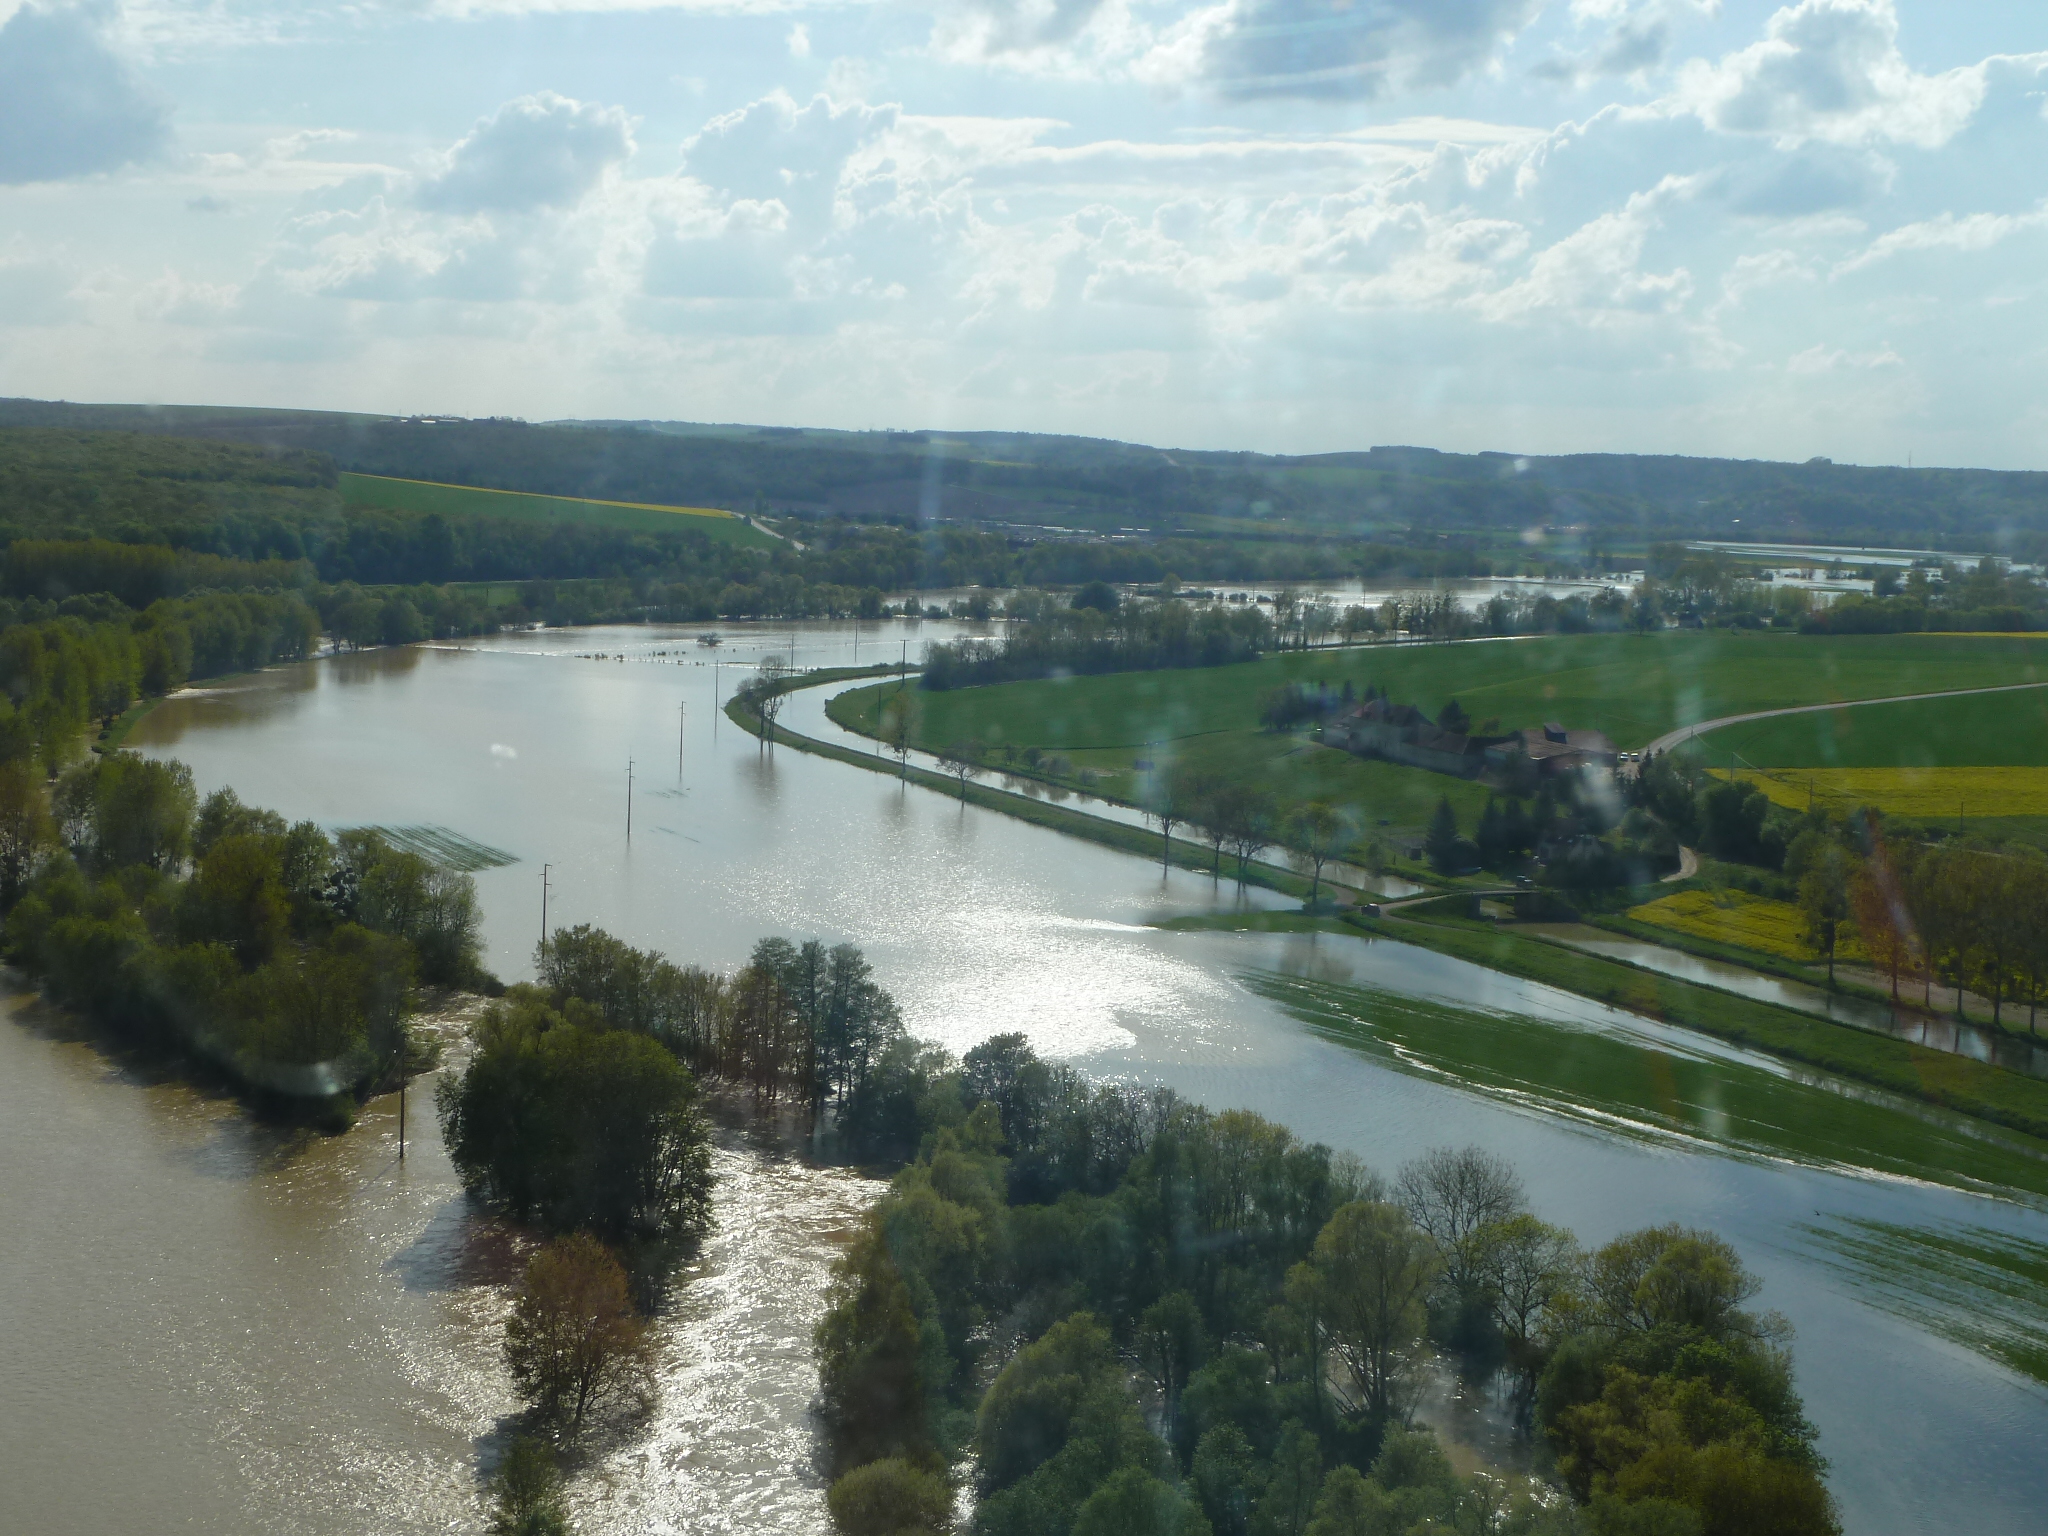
[799, 41]
[1972, 232]
[1831, 70]
[1825, 359]
[69, 105]
[540, 151]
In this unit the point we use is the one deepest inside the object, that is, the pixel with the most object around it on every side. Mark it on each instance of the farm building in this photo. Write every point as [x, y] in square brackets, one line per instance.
[1553, 749]
[1401, 733]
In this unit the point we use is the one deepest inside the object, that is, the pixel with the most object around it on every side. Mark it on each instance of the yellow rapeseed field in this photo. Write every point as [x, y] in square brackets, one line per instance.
[1735, 917]
[1921, 793]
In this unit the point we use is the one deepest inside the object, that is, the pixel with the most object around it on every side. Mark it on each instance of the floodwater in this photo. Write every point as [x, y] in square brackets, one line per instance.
[1940, 1034]
[210, 1325]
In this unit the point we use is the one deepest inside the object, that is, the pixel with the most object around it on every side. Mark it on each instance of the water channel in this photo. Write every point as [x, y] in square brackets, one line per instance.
[212, 1325]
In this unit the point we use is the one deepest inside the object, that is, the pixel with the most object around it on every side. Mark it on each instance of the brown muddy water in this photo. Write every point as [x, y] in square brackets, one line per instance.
[213, 1325]
[210, 1325]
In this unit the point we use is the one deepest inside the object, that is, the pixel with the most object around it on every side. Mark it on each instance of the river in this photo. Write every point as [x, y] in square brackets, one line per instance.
[211, 1325]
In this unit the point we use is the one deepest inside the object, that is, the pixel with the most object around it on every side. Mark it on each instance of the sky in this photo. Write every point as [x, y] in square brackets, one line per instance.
[1537, 226]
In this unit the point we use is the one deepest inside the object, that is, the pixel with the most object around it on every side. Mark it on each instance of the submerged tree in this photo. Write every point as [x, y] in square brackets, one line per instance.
[574, 1341]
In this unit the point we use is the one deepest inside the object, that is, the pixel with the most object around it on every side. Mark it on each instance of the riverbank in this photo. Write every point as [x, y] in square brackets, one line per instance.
[1058, 818]
[1950, 1081]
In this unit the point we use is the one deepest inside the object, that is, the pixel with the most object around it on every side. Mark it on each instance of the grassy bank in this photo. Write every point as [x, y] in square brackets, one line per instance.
[1937, 1077]
[1141, 841]
[1630, 1085]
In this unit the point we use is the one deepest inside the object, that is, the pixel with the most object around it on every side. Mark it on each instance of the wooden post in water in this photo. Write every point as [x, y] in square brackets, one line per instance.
[401, 1104]
[682, 727]
[629, 799]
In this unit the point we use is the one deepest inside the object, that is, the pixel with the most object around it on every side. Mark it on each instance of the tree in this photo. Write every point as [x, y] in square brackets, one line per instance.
[1440, 842]
[1169, 800]
[1824, 899]
[1246, 817]
[1170, 1344]
[1365, 1282]
[593, 1129]
[574, 1341]
[1882, 926]
[895, 726]
[891, 1497]
[1227, 1479]
[963, 759]
[1289, 1499]
[765, 694]
[26, 831]
[1451, 1193]
[1530, 1272]
[1314, 833]
[528, 1485]
[1453, 718]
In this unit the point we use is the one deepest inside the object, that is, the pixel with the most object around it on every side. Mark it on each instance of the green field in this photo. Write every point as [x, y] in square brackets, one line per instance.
[1628, 1085]
[1995, 730]
[473, 501]
[1632, 687]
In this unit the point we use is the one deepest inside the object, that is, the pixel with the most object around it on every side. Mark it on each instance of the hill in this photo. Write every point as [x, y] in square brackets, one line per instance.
[1470, 507]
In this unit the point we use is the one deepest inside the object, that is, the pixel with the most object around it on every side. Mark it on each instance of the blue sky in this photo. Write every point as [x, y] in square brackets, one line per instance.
[1697, 226]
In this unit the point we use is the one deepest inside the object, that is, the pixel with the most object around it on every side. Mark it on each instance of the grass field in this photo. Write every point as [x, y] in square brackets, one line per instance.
[1924, 794]
[522, 506]
[1987, 730]
[1634, 687]
[1734, 917]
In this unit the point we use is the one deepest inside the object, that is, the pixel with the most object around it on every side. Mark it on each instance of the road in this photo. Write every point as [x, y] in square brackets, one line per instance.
[1671, 739]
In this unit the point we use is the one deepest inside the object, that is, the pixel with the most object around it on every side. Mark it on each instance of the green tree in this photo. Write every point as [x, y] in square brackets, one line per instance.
[1315, 832]
[891, 1497]
[574, 1341]
[1440, 842]
[1289, 1498]
[1170, 1345]
[1365, 1281]
[1227, 1479]
[1824, 899]
[528, 1486]
[27, 834]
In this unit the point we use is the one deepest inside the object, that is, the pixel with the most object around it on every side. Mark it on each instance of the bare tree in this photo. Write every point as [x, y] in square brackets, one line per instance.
[1168, 801]
[963, 759]
[1451, 1194]
[765, 692]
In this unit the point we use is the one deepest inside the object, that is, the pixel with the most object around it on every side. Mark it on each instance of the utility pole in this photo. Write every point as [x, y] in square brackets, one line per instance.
[544, 906]
[629, 799]
[716, 708]
[682, 731]
[401, 1103]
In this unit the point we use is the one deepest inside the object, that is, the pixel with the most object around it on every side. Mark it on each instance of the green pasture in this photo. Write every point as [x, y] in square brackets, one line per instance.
[522, 506]
[1994, 730]
[1633, 687]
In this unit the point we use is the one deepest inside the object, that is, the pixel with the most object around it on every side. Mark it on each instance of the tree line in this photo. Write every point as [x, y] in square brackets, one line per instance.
[1136, 1315]
[1099, 633]
[217, 928]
